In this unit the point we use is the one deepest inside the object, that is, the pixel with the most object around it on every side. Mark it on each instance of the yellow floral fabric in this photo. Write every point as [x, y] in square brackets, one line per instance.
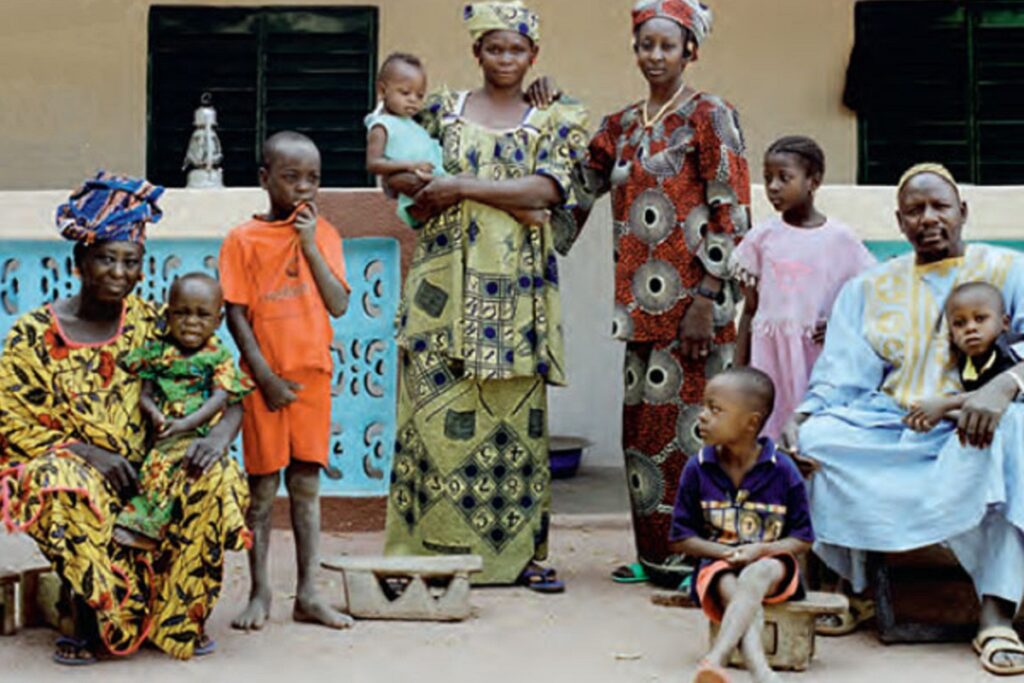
[54, 393]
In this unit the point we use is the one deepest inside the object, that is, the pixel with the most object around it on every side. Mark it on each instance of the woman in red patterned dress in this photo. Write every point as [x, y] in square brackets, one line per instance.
[680, 192]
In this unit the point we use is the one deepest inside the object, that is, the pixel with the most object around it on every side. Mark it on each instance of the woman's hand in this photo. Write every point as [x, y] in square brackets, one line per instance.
[542, 93]
[697, 328]
[202, 453]
[115, 468]
[404, 183]
[982, 411]
[440, 193]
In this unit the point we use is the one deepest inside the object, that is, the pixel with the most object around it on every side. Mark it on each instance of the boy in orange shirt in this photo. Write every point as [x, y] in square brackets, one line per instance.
[283, 275]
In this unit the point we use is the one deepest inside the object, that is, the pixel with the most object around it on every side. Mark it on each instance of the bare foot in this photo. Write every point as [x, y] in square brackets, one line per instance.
[255, 614]
[313, 610]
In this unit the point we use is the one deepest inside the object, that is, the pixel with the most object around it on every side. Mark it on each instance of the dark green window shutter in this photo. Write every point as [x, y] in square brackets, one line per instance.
[998, 31]
[309, 69]
[915, 91]
[940, 80]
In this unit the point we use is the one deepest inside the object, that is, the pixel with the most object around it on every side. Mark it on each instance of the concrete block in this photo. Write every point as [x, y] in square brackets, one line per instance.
[407, 588]
[8, 606]
[789, 630]
[21, 564]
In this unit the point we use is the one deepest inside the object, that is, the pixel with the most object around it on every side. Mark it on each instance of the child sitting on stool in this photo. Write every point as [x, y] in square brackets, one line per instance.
[742, 509]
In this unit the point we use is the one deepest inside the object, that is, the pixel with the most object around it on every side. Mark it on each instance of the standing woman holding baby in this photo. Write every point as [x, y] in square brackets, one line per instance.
[480, 323]
[680, 191]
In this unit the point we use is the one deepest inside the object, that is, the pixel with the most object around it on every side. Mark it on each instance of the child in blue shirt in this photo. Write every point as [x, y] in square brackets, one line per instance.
[742, 509]
[395, 142]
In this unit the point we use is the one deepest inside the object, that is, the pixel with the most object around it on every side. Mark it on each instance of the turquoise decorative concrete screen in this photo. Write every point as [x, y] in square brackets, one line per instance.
[365, 355]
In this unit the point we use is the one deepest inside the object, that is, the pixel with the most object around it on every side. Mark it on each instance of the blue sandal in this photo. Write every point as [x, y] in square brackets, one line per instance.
[541, 580]
[207, 646]
[78, 647]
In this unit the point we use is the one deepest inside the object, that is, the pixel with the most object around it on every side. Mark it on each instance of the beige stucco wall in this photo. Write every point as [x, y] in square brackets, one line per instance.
[74, 72]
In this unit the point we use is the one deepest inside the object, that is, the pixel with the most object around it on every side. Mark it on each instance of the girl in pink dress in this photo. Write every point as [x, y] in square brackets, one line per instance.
[791, 269]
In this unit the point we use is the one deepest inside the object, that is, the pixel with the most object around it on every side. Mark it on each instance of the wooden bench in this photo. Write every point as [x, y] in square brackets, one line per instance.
[788, 634]
[923, 596]
[22, 572]
[408, 588]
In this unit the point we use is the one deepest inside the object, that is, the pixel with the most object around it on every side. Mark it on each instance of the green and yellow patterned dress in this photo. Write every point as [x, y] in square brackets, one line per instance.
[181, 385]
[480, 328]
[54, 393]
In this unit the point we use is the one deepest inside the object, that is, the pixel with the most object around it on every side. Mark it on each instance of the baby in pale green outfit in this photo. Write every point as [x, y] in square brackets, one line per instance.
[395, 142]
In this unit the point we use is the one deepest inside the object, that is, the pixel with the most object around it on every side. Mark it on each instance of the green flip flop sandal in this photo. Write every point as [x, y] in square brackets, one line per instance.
[630, 573]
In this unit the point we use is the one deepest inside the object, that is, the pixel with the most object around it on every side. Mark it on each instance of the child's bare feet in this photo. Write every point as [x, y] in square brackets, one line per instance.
[303, 483]
[313, 610]
[255, 613]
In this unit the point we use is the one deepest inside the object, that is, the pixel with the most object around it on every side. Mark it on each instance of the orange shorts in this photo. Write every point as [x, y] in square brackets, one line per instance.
[711, 603]
[299, 431]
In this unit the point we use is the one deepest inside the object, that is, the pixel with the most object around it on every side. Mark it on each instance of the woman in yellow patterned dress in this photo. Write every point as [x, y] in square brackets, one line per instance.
[480, 322]
[72, 437]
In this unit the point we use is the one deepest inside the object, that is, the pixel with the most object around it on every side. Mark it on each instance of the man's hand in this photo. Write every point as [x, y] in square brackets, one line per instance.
[982, 411]
[789, 443]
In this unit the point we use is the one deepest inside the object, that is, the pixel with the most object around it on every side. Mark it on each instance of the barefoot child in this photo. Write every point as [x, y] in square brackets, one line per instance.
[984, 349]
[742, 508]
[188, 379]
[396, 143]
[792, 268]
[283, 276]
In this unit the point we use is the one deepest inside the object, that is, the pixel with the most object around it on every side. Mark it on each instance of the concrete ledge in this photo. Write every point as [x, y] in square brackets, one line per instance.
[28, 214]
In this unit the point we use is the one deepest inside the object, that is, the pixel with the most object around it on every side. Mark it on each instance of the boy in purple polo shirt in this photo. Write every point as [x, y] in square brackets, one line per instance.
[741, 508]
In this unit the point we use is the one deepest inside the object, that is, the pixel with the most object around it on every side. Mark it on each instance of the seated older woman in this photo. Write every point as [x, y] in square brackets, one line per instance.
[880, 486]
[72, 437]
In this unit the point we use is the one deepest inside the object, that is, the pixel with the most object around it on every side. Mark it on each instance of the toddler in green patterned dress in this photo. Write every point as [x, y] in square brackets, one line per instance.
[189, 377]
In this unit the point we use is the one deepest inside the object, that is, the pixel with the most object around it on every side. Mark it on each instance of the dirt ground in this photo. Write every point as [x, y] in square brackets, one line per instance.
[595, 632]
